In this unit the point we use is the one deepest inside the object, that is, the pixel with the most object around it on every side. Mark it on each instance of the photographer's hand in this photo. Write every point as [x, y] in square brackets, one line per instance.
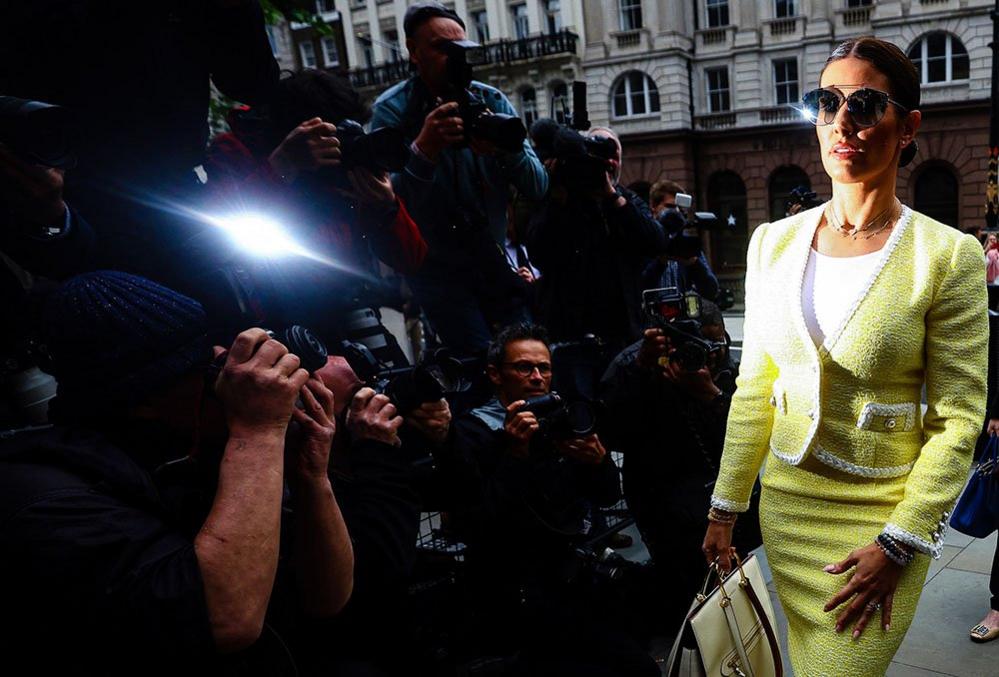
[32, 192]
[432, 419]
[317, 427]
[654, 346]
[699, 384]
[311, 145]
[586, 450]
[374, 190]
[259, 384]
[373, 417]
[441, 129]
[520, 427]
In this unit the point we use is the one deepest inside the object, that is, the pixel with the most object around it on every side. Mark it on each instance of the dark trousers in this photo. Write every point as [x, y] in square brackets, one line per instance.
[994, 581]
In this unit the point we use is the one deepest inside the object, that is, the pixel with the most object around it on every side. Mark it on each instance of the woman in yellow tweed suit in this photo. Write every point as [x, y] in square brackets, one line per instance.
[851, 309]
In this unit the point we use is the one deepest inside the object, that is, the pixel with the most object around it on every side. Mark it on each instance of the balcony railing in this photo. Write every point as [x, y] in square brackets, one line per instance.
[500, 52]
[857, 16]
[716, 121]
[769, 116]
[785, 26]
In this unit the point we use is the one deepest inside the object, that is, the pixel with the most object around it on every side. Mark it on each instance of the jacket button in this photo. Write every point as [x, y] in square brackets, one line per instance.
[891, 423]
[936, 535]
[811, 414]
[773, 401]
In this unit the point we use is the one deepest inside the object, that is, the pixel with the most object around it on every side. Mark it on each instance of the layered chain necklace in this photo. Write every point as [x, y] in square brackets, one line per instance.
[880, 222]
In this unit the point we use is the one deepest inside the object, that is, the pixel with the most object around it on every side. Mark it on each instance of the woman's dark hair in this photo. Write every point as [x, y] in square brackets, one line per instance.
[522, 331]
[313, 93]
[903, 78]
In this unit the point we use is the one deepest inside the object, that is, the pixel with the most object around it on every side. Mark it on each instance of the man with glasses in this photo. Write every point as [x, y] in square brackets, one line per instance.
[522, 504]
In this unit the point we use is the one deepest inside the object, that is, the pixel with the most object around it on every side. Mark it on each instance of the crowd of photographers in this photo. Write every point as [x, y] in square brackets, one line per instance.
[217, 489]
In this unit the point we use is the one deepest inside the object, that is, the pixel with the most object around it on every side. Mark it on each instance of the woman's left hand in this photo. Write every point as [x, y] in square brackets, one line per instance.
[872, 587]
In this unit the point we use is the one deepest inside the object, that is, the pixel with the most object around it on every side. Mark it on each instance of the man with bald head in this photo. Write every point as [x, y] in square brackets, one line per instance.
[456, 186]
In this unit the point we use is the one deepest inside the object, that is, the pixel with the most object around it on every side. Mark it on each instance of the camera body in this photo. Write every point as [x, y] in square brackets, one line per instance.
[684, 228]
[561, 420]
[381, 150]
[678, 315]
[506, 132]
[583, 161]
[38, 132]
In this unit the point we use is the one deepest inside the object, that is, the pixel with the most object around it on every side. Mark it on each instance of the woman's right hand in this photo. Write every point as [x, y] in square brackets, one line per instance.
[718, 545]
[993, 428]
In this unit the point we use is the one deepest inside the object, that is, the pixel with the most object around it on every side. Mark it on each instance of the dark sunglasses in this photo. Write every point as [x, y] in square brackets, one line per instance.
[866, 106]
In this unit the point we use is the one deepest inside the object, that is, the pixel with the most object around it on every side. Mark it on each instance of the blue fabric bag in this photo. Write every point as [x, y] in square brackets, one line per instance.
[977, 513]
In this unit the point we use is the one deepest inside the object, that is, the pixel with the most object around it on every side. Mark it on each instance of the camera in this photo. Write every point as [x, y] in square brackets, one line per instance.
[583, 161]
[506, 132]
[678, 315]
[37, 132]
[381, 150]
[800, 199]
[560, 420]
[683, 228]
[439, 375]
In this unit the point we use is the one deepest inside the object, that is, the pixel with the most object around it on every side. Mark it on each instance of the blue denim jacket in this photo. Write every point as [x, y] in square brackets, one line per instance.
[460, 181]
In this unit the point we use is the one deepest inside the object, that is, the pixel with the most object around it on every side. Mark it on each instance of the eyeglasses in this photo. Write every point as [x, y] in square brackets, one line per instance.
[525, 369]
[866, 106]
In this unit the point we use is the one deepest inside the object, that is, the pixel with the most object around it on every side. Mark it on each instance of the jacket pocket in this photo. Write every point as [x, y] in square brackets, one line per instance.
[888, 418]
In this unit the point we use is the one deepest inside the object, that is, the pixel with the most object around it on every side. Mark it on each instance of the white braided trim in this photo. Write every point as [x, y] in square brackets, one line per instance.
[934, 549]
[727, 505]
[834, 461]
[872, 409]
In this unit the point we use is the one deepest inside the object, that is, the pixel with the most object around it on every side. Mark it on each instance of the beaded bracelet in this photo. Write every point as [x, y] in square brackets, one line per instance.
[893, 551]
[721, 516]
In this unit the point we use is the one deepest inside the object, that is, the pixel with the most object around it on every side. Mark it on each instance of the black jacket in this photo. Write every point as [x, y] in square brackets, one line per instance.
[591, 255]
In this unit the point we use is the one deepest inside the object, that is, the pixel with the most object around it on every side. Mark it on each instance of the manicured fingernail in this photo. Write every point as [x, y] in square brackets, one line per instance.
[887, 627]
[829, 568]
[839, 628]
[856, 634]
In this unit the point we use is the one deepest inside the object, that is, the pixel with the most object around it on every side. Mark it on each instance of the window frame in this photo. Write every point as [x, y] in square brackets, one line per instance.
[792, 4]
[531, 109]
[558, 113]
[717, 7]
[553, 19]
[630, 15]
[479, 26]
[301, 54]
[784, 61]
[923, 42]
[709, 91]
[323, 42]
[520, 19]
[623, 86]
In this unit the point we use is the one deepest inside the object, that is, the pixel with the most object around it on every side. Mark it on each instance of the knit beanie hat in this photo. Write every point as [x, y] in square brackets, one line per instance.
[116, 338]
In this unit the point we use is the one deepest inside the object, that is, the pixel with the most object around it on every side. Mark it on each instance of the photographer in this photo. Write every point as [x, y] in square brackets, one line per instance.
[591, 240]
[670, 424]
[290, 159]
[455, 183]
[684, 265]
[145, 531]
[522, 496]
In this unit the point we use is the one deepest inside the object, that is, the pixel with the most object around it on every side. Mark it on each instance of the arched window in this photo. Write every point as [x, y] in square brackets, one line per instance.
[529, 105]
[633, 94]
[727, 199]
[560, 101]
[939, 57]
[782, 182]
[936, 195]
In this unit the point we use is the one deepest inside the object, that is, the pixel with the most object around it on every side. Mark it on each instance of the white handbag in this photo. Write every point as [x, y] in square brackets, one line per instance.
[732, 628]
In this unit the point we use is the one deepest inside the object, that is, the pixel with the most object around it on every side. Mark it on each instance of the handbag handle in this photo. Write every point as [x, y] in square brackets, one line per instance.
[747, 586]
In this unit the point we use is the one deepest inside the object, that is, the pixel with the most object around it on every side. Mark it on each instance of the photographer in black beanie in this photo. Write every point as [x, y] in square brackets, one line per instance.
[141, 533]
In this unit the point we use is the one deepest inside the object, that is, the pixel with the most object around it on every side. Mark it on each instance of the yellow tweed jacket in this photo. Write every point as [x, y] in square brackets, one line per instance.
[854, 402]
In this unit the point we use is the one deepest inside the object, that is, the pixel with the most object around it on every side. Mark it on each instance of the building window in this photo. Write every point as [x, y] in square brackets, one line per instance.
[521, 28]
[553, 16]
[481, 22]
[308, 53]
[325, 6]
[631, 14]
[858, 3]
[717, 13]
[727, 199]
[331, 54]
[936, 191]
[560, 102]
[939, 57]
[529, 106]
[634, 94]
[391, 46]
[366, 50]
[782, 182]
[719, 99]
[784, 8]
[786, 80]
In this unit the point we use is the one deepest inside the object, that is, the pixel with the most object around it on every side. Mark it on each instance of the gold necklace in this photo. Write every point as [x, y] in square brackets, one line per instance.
[880, 222]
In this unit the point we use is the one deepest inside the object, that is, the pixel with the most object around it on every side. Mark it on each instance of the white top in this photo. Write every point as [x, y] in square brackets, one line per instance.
[831, 286]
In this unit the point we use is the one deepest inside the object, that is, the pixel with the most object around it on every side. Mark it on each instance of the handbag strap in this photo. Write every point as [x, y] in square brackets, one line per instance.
[765, 624]
[733, 629]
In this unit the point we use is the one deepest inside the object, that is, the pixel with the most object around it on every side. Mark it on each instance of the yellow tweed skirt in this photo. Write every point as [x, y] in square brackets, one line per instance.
[812, 515]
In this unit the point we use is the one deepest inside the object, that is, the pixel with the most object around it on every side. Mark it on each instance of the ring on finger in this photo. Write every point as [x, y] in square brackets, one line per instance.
[873, 606]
